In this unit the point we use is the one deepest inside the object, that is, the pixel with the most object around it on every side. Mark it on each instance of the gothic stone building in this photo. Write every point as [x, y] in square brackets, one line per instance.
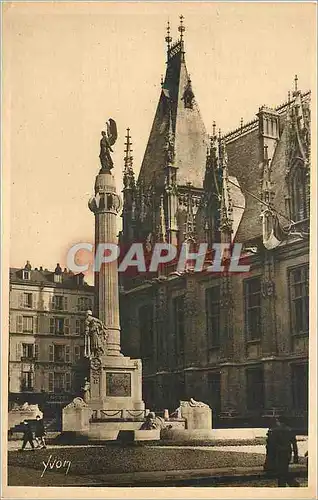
[46, 339]
[236, 341]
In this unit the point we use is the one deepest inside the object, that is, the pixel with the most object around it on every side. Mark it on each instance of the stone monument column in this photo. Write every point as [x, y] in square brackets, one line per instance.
[105, 205]
[114, 379]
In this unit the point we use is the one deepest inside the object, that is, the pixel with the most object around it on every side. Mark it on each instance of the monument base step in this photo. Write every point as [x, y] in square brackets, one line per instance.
[186, 434]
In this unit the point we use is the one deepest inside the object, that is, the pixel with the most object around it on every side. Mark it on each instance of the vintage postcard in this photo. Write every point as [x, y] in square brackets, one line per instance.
[158, 271]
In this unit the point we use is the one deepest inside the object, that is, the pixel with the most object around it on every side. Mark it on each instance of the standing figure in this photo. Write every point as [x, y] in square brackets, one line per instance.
[86, 391]
[95, 336]
[27, 435]
[106, 144]
[281, 444]
[39, 432]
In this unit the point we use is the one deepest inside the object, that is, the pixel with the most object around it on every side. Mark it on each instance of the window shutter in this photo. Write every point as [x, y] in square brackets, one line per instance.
[19, 324]
[51, 382]
[65, 304]
[36, 351]
[21, 300]
[77, 352]
[51, 352]
[79, 304]
[19, 351]
[52, 324]
[67, 326]
[78, 326]
[67, 354]
[53, 302]
[67, 381]
[35, 324]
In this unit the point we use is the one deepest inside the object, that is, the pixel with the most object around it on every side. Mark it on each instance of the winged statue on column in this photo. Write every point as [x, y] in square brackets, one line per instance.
[107, 141]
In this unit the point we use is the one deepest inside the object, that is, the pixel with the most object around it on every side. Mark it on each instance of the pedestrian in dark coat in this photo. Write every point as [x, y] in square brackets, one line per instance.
[39, 432]
[27, 435]
[281, 444]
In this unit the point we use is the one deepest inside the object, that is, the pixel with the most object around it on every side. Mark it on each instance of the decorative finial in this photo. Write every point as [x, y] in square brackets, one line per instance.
[288, 96]
[161, 81]
[128, 145]
[241, 122]
[128, 179]
[181, 28]
[214, 129]
[265, 152]
[219, 134]
[168, 37]
[296, 83]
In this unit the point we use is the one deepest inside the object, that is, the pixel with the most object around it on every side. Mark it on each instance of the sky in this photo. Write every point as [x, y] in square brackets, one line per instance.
[69, 67]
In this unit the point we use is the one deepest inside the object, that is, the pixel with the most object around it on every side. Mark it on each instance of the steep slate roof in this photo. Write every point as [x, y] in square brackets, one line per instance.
[190, 137]
[46, 278]
[244, 162]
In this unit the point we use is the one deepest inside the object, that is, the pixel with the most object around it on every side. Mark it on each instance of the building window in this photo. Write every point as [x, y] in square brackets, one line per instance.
[77, 353]
[59, 303]
[300, 386]
[212, 301]
[26, 275]
[27, 381]
[57, 353]
[299, 194]
[59, 382]
[67, 382]
[27, 300]
[146, 330]
[28, 324]
[80, 327]
[84, 304]
[299, 293]
[252, 298]
[255, 388]
[28, 351]
[60, 326]
[57, 278]
[179, 324]
[67, 354]
[51, 382]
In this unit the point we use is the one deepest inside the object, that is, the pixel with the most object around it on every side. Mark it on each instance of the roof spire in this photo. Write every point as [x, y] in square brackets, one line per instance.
[213, 129]
[129, 180]
[181, 28]
[296, 83]
[168, 38]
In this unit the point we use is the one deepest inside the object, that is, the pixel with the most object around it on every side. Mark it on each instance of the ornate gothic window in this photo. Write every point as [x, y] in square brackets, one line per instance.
[298, 193]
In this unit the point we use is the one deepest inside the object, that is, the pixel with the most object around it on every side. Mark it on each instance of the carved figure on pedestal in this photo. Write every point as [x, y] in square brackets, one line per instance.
[86, 390]
[106, 144]
[95, 336]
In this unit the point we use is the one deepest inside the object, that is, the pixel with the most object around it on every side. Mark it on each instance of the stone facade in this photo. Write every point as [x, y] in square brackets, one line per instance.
[239, 341]
[46, 339]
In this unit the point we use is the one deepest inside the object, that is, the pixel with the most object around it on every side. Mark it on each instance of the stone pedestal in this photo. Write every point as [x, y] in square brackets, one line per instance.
[197, 417]
[196, 424]
[115, 384]
[21, 413]
[76, 416]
